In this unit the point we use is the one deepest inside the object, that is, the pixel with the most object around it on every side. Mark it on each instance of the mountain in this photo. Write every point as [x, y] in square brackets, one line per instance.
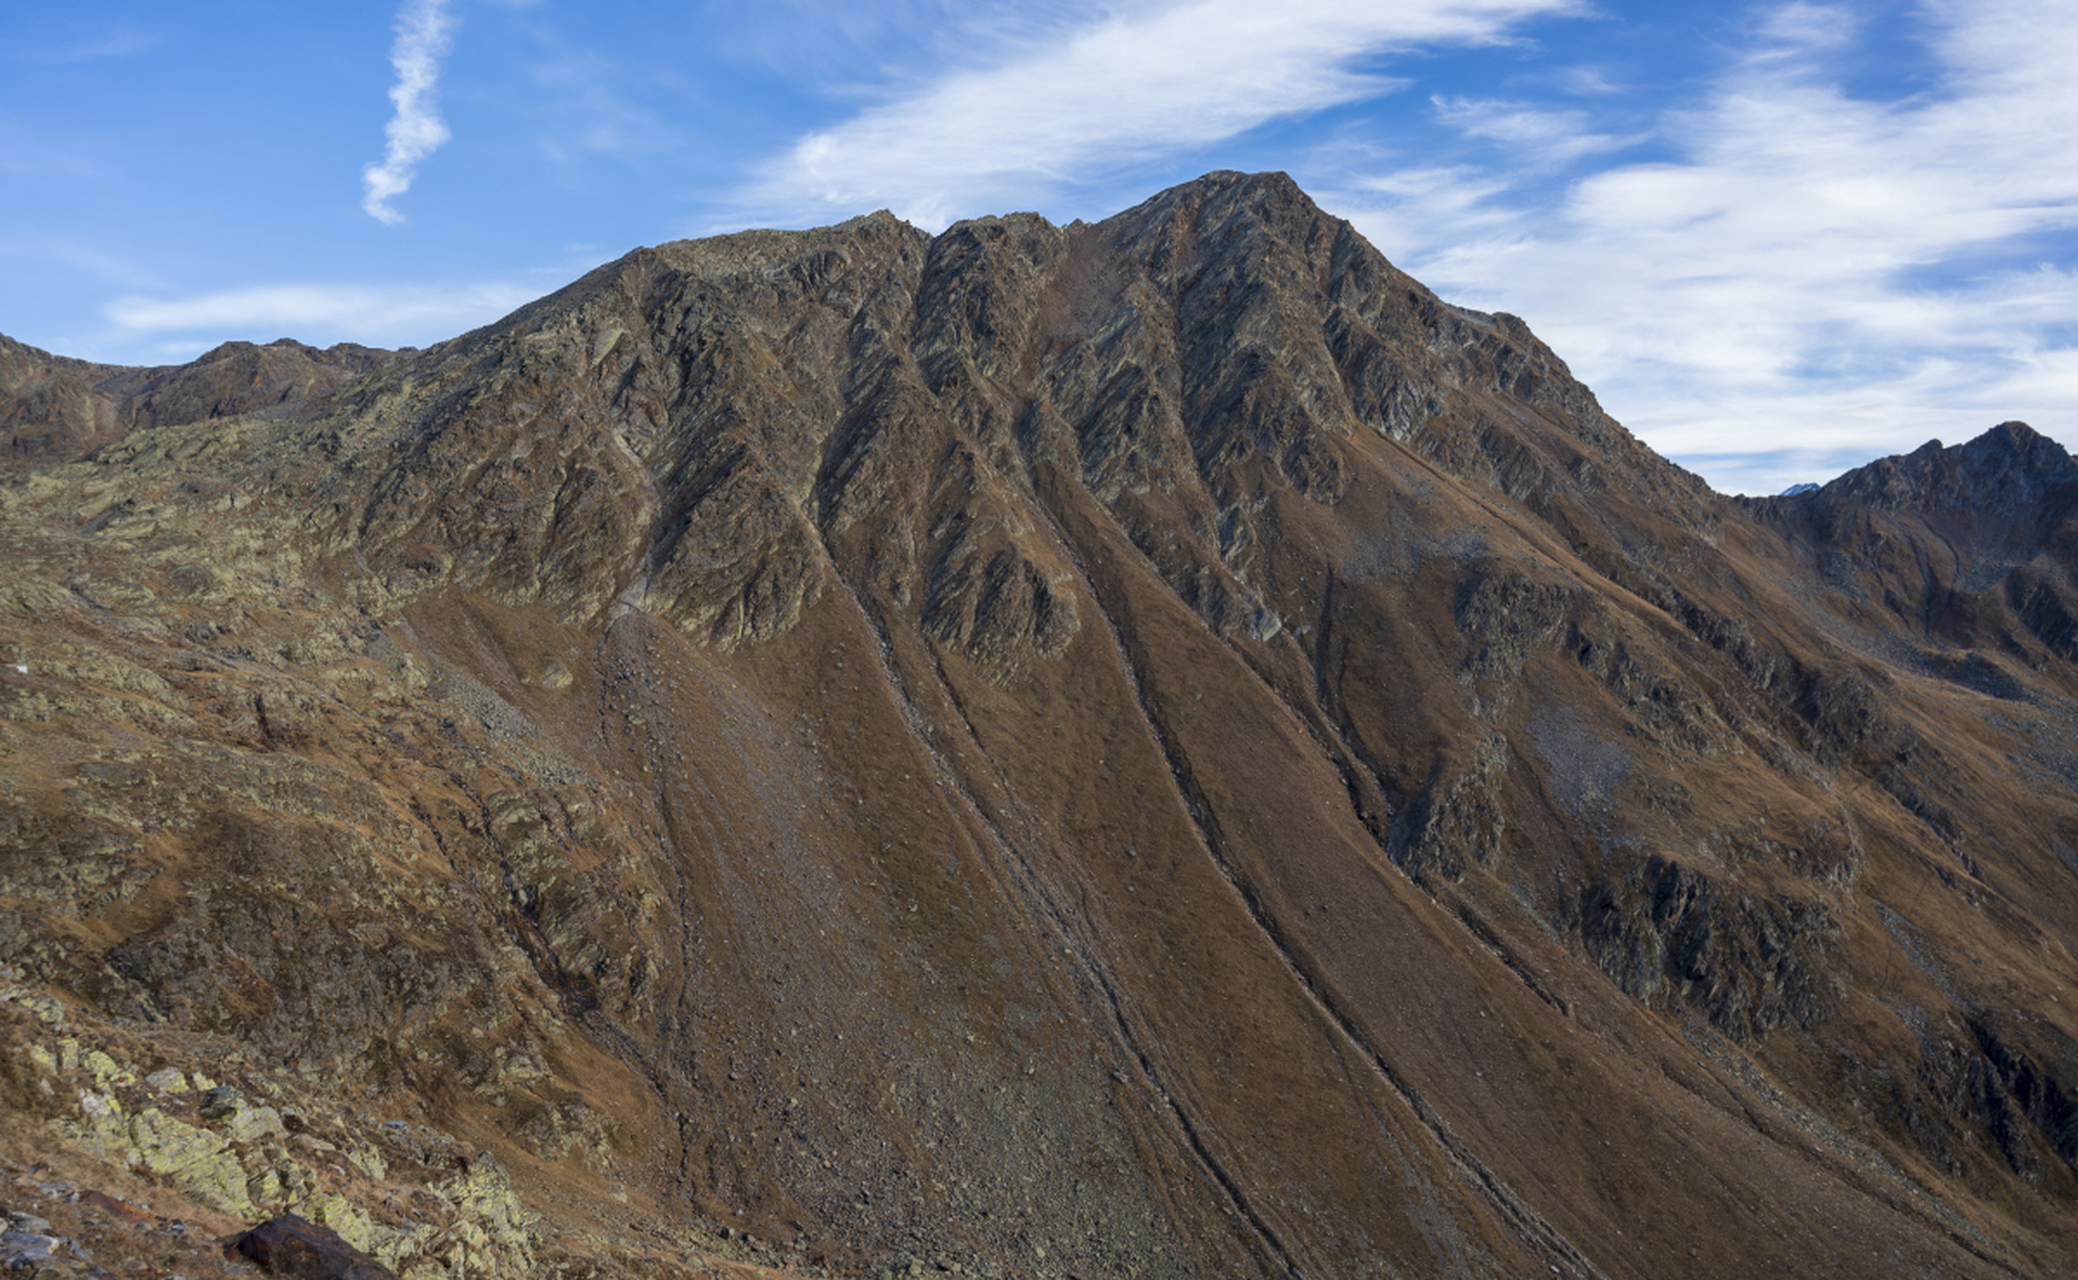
[1151, 748]
[1970, 546]
[57, 409]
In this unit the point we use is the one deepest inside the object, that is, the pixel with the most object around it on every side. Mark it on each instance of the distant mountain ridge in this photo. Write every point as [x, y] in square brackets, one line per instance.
[1951, 538]
[57, 409]
[1156, 747]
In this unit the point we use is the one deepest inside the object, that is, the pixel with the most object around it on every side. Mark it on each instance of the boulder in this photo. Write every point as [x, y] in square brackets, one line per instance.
[290, 1246]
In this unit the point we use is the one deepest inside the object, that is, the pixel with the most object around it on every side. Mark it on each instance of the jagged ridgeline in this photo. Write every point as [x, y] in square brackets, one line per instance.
[1154, 748]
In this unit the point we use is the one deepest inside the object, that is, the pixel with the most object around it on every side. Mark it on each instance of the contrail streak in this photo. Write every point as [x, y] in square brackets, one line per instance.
[416, 131]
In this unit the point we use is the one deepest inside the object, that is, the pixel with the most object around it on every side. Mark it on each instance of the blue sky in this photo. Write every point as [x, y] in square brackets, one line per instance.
[1777, 239]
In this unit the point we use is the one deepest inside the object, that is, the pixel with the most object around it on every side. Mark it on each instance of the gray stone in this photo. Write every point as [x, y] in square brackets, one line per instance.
[20, 1248]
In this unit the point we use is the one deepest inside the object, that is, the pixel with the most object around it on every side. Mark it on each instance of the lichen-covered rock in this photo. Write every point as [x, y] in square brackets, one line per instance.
[201, 1163]
[493, 1232]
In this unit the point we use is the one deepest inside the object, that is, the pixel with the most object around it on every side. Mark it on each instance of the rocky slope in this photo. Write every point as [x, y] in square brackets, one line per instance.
[57, 409]
[1149, 748]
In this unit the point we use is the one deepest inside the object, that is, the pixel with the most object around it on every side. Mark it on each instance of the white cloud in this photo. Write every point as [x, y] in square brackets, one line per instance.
[424, 29]
[1814, 275]
[1120, 86]
[387, 316]
[1796, 28]
[1586, 82]
[1539, 136]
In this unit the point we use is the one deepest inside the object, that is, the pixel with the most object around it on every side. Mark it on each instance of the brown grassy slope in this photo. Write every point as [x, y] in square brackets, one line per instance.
[1156, 747]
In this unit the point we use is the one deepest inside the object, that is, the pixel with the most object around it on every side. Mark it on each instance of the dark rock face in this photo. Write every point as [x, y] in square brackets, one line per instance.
[1747, 963]
[1973, 546]
[1157, 747]
[289, 1246]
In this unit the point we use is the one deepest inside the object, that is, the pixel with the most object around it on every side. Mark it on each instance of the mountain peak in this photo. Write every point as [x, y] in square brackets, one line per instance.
[2009, 464]
[2037, 452]
[1156, 747]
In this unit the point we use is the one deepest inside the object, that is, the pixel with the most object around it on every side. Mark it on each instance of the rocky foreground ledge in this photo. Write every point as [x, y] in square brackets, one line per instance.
[163, 1155]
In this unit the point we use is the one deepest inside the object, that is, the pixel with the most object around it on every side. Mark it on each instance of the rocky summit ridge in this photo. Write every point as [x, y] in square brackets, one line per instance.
[57, 409]
[1147, 748]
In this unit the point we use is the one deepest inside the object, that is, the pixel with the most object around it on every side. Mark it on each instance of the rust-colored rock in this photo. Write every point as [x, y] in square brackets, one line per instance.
[114, 1207]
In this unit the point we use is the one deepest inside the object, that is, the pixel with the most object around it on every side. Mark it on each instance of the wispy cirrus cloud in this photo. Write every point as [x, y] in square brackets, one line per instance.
[1538, 134]
[378, 315]
[1108, 87]
[585, 112]
[425, 29]
[1810, 277]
